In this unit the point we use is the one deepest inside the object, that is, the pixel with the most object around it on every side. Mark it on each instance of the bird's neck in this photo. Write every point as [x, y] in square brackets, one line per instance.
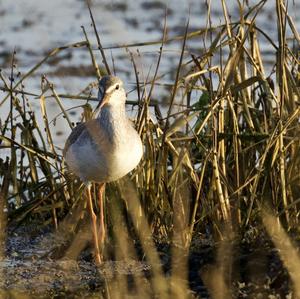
[113, 119]
[112, 113]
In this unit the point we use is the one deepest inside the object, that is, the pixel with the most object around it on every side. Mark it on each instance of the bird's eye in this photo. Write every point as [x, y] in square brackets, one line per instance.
[117, 86]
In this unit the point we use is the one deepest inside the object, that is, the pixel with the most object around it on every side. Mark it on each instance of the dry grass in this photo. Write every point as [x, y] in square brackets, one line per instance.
[214, 162]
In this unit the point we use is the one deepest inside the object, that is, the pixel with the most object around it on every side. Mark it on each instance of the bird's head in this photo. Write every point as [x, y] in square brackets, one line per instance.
[111, 92]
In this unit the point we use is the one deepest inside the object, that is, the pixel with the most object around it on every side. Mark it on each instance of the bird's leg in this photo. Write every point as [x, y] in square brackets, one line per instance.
[101, 214]
[94, 225]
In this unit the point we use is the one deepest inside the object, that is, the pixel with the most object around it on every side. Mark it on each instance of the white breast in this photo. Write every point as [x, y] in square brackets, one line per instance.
[105, 165]
[106, 148]
[126, 157]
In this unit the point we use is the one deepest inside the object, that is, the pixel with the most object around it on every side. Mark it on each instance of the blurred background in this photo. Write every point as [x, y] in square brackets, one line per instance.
[33, 28]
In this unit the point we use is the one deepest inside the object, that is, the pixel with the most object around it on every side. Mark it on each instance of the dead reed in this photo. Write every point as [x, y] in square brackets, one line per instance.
[231, 148]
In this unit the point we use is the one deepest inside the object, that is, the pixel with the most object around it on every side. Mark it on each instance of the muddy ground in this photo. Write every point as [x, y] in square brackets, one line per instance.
[34, 265]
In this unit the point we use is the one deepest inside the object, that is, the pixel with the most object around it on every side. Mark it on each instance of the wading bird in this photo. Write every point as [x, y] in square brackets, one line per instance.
[104, 149]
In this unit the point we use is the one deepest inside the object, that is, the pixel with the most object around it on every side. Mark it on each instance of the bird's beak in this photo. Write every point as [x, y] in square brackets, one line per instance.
[103, 102]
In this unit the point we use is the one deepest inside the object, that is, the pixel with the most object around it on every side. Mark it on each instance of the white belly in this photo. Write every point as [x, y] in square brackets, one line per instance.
[126, 159]
[104, 166]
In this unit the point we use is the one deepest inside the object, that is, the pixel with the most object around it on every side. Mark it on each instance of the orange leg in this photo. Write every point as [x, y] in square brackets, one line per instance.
[101, 215]
[94, 225]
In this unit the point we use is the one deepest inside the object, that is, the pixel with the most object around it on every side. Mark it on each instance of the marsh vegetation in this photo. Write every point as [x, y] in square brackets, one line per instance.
[212, 210]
